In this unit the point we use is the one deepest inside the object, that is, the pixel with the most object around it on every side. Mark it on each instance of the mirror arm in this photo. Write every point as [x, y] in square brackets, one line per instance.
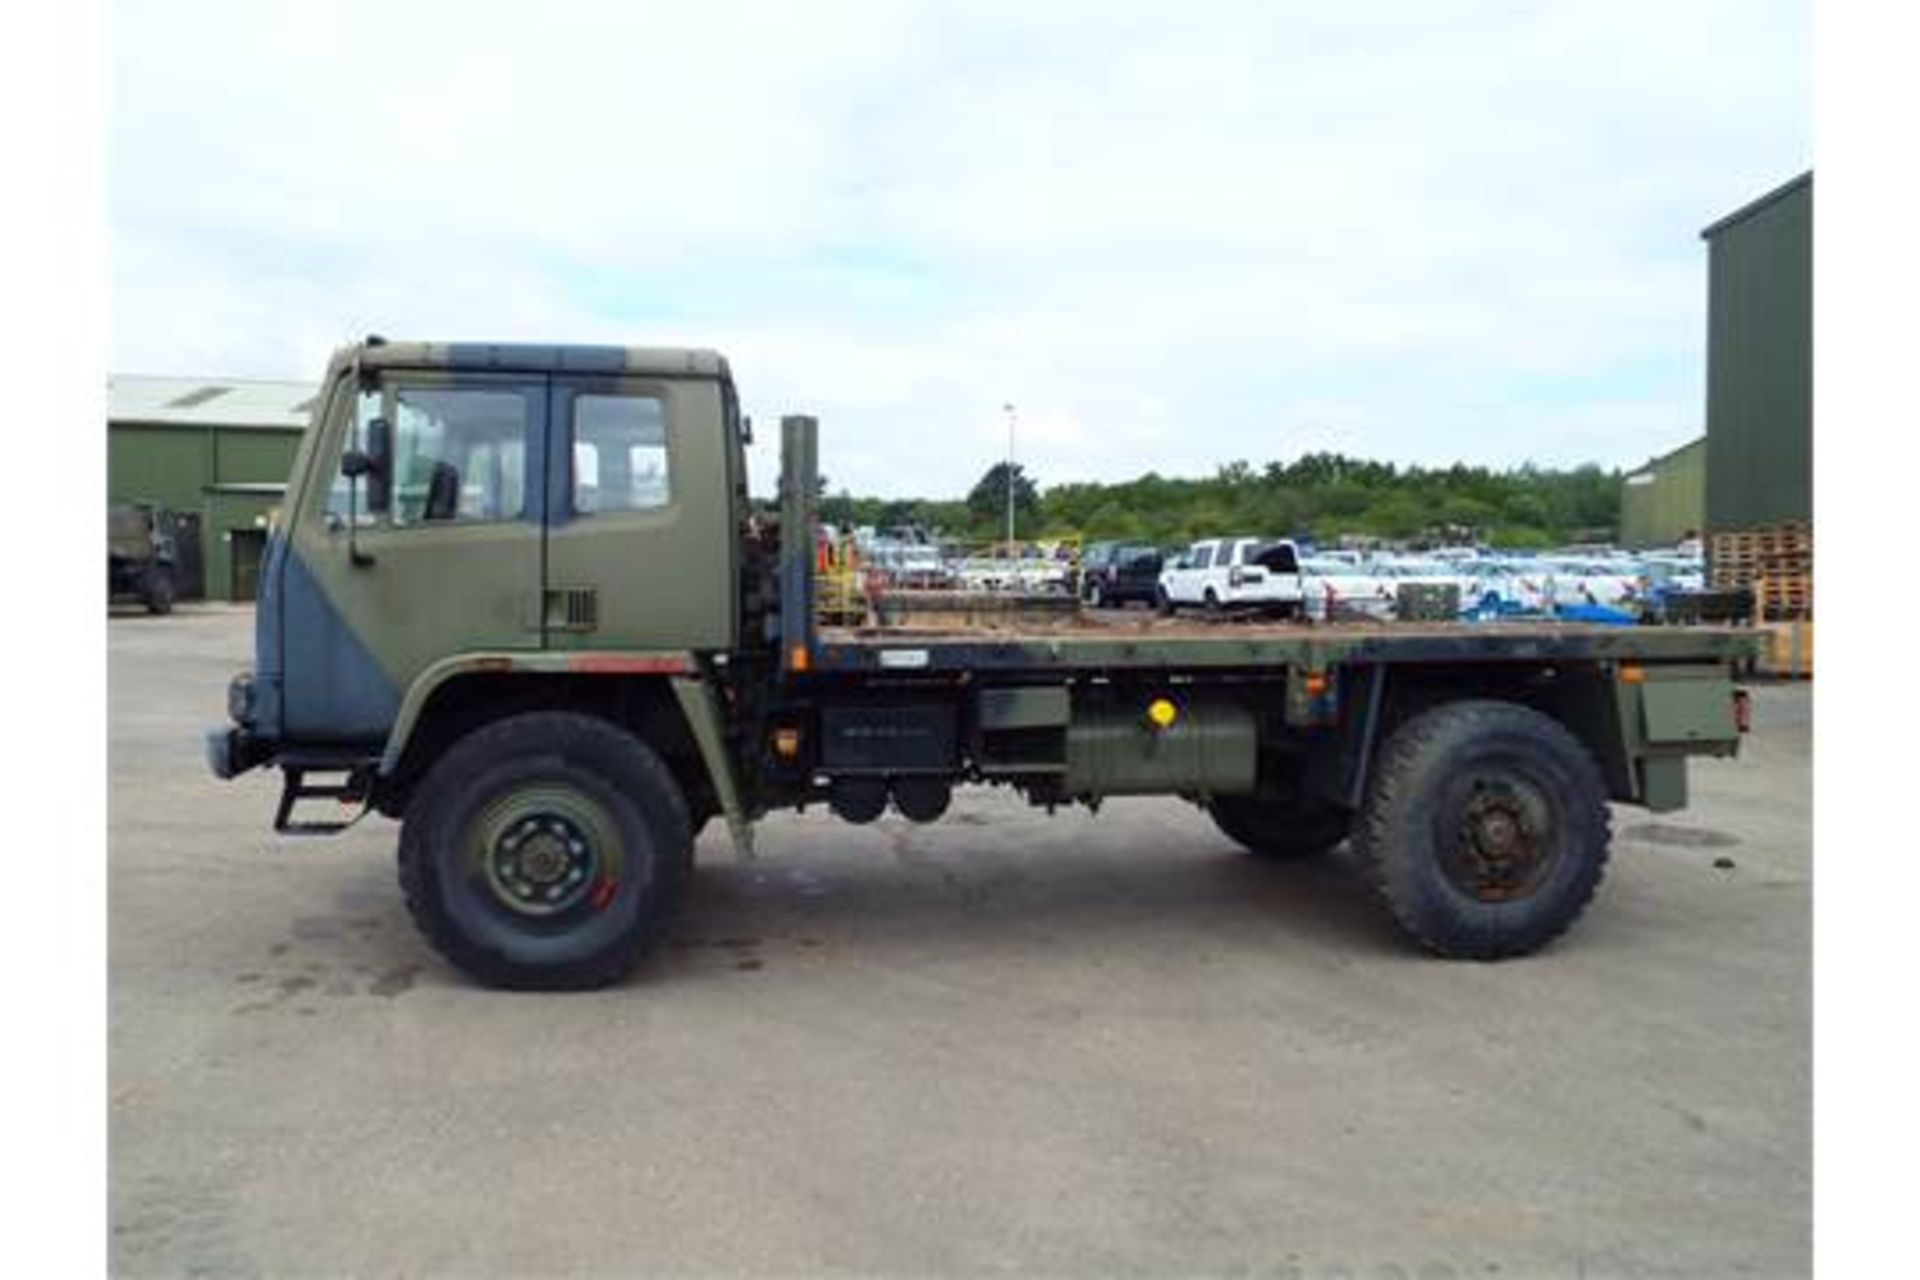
[355, 556]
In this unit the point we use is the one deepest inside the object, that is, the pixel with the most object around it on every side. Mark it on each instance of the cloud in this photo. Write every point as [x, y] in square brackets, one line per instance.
[1172, 236]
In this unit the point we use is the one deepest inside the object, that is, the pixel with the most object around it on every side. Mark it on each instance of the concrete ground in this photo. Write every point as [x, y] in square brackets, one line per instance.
[1090, 1044]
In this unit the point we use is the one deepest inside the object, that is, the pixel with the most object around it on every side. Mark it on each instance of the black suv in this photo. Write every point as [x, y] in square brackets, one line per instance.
[1112, 573]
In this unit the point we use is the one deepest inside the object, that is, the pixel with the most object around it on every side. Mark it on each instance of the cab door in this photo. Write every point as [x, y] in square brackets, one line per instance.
[641, 548]
[451, 563]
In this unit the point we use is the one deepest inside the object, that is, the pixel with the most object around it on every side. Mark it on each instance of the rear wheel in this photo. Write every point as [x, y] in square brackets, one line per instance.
[1211, 600]
[1280, 829]
[1162, 602]
[1094, 599]
[1485, 829]
[545, 850]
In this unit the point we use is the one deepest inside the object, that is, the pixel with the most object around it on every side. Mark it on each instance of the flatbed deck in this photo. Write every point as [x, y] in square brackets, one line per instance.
[1185, 643]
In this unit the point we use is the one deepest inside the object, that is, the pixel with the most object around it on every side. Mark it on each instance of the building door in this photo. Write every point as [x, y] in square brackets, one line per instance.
[245, 547]
[189, 557]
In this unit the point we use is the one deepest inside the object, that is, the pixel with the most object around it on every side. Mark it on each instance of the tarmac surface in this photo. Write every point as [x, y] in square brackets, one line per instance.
[1091, 1044]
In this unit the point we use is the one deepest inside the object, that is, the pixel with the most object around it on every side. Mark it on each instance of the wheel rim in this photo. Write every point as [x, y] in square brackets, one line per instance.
[1503, 839]
[545, 850]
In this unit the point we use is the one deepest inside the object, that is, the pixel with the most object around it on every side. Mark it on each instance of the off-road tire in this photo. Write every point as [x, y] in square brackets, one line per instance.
[157, 591]
[1211, 600]
[1094, 598]
[1162, 602]
[1427, 777]
[587, 762]
[1280, 830]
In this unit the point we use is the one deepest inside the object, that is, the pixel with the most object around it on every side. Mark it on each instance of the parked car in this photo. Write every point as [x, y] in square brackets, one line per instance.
[1023, 569]
[1342, 587]
[1243, 572]
[913, 565]
[1112, 573]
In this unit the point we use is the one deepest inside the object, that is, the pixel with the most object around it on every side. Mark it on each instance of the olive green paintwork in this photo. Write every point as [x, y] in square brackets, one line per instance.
[1270, 647]
[691, 684]
[1665, 714]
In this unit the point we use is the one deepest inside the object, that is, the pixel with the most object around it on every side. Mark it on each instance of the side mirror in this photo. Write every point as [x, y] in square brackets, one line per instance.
[380, 469]
[374, 464]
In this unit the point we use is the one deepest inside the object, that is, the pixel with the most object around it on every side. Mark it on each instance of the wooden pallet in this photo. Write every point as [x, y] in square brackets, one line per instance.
[1782, 598]
[1775, 563]
[1787, 651]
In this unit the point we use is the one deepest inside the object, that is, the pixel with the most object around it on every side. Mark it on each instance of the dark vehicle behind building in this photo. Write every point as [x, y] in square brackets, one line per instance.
[142, 554]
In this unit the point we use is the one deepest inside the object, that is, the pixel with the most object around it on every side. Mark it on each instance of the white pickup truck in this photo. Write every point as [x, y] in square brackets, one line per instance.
[1257, 574]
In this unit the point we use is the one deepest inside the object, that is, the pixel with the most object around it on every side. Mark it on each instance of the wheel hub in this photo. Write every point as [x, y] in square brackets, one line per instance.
[541, 864]
[1504, 844]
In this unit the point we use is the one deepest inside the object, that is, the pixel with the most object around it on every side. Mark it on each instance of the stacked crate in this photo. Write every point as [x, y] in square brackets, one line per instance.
[1775, 563]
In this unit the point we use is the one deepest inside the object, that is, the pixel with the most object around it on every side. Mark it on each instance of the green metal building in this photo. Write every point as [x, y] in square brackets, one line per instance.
[217, 452]
[1665, 501]
[1759, 462]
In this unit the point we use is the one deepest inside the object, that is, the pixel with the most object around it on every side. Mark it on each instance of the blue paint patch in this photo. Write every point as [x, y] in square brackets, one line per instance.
[268, 660]
[332, 689]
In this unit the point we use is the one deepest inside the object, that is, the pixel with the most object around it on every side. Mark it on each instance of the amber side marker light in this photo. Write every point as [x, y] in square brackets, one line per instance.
[798, 658]
[1633, 675]
[1161, 713]
[786, 743]
[1316, 683]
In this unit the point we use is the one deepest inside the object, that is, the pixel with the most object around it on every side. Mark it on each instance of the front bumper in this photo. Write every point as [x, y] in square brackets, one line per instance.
[231, 751]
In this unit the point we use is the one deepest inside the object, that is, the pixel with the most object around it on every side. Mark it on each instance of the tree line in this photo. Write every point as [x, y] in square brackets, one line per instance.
[1323, 496]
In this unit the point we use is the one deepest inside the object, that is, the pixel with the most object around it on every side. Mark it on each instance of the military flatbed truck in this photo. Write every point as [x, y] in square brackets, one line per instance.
[521, 601]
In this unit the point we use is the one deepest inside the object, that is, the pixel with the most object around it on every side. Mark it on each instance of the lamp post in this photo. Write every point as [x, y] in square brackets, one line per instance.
[1012, 418]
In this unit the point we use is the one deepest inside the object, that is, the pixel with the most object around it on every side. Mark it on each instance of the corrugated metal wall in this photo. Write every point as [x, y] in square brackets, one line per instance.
[1760, 362]
[1666, 500]
[182, 467]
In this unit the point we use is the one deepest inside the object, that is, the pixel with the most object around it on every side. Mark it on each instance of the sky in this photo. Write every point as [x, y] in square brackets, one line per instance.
[1170, 236]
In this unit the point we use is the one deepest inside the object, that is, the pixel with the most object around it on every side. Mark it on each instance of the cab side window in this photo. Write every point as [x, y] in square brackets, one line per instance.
[620, 458]
[459, 454]
[1203, 556]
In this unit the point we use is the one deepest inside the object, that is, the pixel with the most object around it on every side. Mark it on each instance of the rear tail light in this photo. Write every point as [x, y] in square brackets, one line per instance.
[1743, 710]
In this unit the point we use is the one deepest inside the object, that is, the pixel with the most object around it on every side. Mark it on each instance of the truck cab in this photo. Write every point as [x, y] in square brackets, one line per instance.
[454, 500]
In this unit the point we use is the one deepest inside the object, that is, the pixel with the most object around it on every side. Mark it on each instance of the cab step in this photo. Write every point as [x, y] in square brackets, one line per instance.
[351, 783]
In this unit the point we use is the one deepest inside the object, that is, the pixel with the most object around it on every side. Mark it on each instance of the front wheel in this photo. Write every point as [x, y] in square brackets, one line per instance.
[1485, 829]
[157, 590]
[1162, 602]
[545, 850]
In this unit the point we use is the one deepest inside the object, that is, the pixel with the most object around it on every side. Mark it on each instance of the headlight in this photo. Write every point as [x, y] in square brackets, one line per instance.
[240, 698]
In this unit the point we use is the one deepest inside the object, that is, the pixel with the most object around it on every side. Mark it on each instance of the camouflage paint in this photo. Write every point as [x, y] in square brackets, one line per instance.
[342, 642]
[662, 577]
